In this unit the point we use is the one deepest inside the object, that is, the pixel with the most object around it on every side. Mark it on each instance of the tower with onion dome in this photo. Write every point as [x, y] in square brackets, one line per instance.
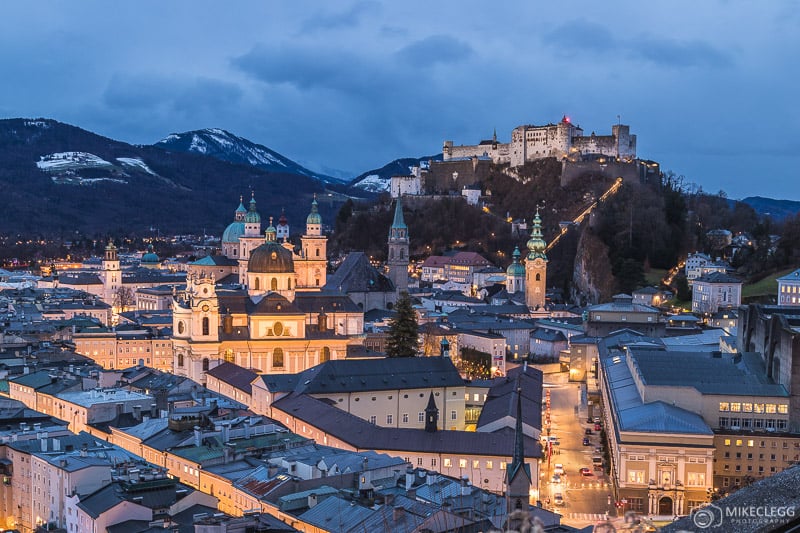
[536, 267]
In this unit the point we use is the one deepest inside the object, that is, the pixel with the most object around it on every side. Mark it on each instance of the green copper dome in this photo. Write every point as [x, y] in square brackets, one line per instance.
[252, 216]
[536, 244]
[150, 257]
[271, 233]
[313, 217]
[515, 269]
[233, 232]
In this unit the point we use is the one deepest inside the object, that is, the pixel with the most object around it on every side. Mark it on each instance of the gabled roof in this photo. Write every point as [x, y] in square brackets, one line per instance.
[215, 260]
[356, 274]
[718, 277]
[327, 302]
[234, 375]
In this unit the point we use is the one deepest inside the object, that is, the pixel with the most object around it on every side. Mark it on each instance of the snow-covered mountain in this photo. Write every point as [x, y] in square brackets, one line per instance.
[226, 146]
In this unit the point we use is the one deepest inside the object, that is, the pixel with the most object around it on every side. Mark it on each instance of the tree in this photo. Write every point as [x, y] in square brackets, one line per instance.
[123, 298]
[403, 330]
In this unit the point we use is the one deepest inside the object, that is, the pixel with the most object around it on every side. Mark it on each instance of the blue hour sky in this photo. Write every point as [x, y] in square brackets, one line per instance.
[709, 87]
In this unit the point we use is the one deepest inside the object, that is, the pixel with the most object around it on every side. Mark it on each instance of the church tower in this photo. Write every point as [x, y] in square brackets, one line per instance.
[398, 249]
[536, 267]
[431, 415]
[111, 274]
[251, 239]
[312, 268]
[518, 480]
[515, 274]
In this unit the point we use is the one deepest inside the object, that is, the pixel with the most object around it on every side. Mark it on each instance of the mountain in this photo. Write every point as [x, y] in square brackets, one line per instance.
[226, 146]
[379, 179]
[777, 209]
[58, 179]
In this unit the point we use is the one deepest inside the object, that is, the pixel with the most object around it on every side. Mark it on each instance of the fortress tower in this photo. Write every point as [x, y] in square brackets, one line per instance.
[536, 267]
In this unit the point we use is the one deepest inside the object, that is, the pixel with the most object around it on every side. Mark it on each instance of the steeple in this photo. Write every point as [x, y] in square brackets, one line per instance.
[271, 233]
[398, 249]
[536, 244]
[431, 415]
[241, 211]
[519, 480]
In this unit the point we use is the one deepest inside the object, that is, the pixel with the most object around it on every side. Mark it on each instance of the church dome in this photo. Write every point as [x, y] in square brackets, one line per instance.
[537, 244]
[515, 269]
[271, 258]
[233, 232]
[313, 217]
[150, 257]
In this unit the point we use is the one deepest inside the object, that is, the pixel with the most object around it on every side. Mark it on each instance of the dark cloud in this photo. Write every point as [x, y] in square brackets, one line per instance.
[583, 37]
[435, 49]
[148, 92]
[344, 19]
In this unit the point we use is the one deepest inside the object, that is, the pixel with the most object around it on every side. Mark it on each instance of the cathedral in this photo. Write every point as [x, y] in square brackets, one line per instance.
[260, 303]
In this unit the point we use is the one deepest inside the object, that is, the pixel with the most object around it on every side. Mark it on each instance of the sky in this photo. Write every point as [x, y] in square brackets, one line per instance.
[710, 88]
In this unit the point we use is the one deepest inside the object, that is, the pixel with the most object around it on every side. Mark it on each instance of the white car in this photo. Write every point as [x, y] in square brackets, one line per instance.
[558, 469]
[558, 499]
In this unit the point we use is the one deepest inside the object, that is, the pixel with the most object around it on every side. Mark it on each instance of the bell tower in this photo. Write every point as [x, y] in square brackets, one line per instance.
[312, 269]
[536, 267]
[398, 249]
[111, 274]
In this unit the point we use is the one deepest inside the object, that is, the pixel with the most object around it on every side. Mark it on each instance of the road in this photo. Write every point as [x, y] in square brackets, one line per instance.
[586, 499]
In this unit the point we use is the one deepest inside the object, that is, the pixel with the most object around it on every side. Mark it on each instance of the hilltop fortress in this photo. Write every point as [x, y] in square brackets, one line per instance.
[564, 140]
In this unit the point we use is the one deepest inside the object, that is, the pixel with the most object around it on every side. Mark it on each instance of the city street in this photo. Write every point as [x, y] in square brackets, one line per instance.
[586, 499]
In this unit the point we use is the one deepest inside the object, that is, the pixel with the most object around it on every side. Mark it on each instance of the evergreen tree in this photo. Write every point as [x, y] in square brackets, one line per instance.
[403, 330]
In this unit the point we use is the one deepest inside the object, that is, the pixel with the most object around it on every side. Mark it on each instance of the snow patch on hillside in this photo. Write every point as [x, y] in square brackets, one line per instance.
[136, 163]
[64, 160]
[198, 145]
[374, 183]
[78, 180]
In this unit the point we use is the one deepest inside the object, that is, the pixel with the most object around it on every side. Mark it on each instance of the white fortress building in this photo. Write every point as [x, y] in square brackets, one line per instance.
[562, 140]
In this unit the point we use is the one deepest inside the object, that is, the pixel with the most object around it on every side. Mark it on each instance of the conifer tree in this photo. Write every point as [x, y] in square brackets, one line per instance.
[403, 330]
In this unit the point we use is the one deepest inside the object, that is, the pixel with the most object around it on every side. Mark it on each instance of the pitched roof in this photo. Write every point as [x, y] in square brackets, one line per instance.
[718, 277]
[356, 274]
[234, 375]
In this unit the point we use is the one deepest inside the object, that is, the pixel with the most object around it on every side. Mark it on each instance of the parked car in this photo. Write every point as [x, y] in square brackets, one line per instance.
[558, 499]
[558, 468]
[597, 420]
[556, 478]
[598, 427]
[586, 441]
[586, 472]
[598, 449]
[588, 431]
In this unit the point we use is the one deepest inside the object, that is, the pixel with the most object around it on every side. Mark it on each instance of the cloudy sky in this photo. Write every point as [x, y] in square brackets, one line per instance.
[709, 87]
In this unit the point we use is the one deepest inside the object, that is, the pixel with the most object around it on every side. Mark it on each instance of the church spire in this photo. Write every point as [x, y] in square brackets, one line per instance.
[431, 415]
[399, 222]
[536, 244]
[519, 480]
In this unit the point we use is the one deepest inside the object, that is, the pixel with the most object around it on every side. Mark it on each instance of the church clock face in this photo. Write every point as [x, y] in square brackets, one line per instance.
[538, 262]
[205, 308]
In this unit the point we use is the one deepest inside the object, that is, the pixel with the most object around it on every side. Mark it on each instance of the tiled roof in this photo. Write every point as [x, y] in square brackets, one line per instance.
[234, 375]
[356, 274]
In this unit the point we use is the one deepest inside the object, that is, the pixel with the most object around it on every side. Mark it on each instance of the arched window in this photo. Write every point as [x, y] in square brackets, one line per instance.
[326, 354]
[205, 325]
[317, 252]
[180, 359]
[277, 358]
[316, 282]
[402, 254]
[205, 364]
[538, 277]
[257, 285]
[274, 284]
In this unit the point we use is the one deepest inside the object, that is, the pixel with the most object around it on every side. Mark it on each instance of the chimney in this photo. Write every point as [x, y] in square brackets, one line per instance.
[322, 322]
[153, 410]
[388, 499]
[409, 478]
[120, 408]
[63, 463]
[225, 433]
[312, 500]
[84, 450]
[198, 436]
[272, 470]
[43, 443]
[56, 445]
[37, 426]
[26, 370]
[137, 412]
[227, 452]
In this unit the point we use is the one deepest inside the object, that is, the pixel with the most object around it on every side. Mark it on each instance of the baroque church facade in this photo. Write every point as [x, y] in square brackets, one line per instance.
[274, 317]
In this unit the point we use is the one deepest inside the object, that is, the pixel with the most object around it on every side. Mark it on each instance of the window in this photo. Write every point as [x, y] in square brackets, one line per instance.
[489, 465]
[373, 419]
[736, 407]
[419, 461]
[421, 417]
[771, 408]
[636, 476]
[476, 464]
[433, 461]
[405, 418]
[724, 421]
[453, 415]
[747, 407]
[462, 463]
[273, 284]
[389, 419]
[738, 442]
[180, 359]
[724, 406]
[257, 284]
[326, 354]
[205, 325]
[783, 409]
[448, 463]
[277, 358]
[696, 479]
[758, 408]
[205, 364]
[502, 465]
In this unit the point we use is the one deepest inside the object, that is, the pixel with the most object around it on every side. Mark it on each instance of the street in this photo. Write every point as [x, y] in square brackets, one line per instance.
[586, 499]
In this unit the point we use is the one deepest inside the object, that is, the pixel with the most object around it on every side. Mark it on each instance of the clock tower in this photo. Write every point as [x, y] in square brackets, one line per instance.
[536, 267]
